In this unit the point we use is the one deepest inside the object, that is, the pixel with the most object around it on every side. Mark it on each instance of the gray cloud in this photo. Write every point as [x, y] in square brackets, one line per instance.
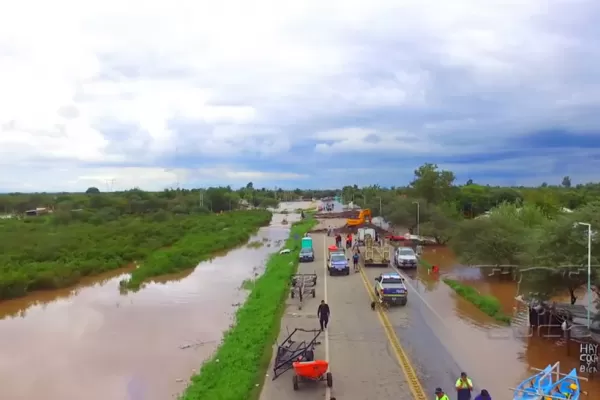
[399, 83]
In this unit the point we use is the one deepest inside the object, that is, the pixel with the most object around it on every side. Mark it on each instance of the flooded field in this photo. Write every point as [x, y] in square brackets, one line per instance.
[498, 356]
[94, 342]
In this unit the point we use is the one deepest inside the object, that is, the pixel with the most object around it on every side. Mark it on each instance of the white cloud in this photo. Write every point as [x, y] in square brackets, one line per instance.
[118, 82]
[72, 178]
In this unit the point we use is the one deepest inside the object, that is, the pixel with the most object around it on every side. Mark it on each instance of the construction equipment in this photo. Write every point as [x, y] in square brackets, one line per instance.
[363, 216]
[376, 254]
[291, 351]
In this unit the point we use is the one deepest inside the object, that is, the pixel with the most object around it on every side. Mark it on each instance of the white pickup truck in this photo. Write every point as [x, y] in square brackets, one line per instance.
[405, 257]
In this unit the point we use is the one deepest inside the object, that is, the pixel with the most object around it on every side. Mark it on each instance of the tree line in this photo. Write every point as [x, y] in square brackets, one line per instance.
[535, 232]
[94, 204]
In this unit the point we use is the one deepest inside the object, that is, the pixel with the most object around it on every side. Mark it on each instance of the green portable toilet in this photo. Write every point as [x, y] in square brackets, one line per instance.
[307, 242]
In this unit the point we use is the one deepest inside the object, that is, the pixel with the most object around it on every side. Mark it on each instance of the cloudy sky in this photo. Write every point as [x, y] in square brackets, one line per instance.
[311, 93]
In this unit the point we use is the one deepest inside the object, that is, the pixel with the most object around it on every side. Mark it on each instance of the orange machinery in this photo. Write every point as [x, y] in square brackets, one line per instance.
[364, 215]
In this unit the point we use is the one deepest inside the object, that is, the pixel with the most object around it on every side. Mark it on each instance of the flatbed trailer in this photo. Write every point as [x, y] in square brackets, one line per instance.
[376, 254]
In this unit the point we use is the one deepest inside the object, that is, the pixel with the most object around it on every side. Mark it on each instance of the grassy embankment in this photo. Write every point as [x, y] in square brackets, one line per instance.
[486, 303]
[237, 369]
[212, 234]
[490, 305]
[44, 253]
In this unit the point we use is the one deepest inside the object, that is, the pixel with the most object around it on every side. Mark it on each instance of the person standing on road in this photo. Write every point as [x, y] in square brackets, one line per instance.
[323, 314]
[440, 395]
[464, 387]
[355, 259]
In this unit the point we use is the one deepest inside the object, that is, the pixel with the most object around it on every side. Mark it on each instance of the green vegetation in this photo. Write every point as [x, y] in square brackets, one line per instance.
[502, 227]
[422, 263]
[548, 250]
[255, 244]
[211, 234]
[488, 304]
[239, 364]
[41, 253]
[95, 206]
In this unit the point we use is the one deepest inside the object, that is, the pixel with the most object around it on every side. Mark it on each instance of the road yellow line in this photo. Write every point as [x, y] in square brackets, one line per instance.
[409, 372]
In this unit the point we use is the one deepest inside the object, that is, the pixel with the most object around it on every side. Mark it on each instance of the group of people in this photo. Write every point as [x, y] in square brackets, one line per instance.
[464, 390]
[338, 241]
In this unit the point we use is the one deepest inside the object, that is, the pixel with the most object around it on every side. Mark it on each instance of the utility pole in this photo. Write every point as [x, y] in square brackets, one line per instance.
[418, 218]
[201, 199]
[109, 184]
[589, 270]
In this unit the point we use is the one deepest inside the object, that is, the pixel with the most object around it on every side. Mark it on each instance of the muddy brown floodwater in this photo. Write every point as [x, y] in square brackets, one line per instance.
[498, 357]
[93, 342]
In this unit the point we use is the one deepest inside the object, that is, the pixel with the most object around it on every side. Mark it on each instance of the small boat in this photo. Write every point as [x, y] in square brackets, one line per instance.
[565, 388]
[534, 387]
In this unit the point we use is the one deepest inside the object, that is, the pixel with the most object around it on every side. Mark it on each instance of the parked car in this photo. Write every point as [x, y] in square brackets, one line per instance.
[307, 255]
[405, 257]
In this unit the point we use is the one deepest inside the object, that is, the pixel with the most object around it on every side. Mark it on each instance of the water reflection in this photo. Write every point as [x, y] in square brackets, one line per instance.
[92, 340]
[19, 307]
[510, 350]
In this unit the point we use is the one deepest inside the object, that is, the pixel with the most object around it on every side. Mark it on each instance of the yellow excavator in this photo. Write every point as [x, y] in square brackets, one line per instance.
[363, 216]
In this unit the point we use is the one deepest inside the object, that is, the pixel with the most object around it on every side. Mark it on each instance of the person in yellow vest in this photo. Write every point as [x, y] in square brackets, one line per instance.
[464, 387]
[440, 395]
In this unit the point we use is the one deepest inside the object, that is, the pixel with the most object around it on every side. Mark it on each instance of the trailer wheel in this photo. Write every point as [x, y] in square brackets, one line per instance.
[292, 294]
[329, 379]
[295, 382]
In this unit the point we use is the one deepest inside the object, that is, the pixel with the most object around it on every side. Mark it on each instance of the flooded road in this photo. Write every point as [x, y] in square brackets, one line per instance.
[93, 342]
[496, 356]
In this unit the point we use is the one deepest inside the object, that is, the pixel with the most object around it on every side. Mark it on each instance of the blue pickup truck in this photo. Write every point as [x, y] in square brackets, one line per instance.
[338, 264]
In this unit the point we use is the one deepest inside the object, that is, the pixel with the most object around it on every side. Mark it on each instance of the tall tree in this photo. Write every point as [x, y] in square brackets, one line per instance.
[432, 184]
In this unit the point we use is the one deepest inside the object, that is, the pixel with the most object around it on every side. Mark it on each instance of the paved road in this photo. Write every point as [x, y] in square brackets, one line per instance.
[419, 335]
[363, 361]
[304, 318]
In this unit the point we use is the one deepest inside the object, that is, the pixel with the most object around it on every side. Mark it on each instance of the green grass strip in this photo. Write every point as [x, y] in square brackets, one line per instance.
[488, 304]
[424, 263]
[238, 367]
